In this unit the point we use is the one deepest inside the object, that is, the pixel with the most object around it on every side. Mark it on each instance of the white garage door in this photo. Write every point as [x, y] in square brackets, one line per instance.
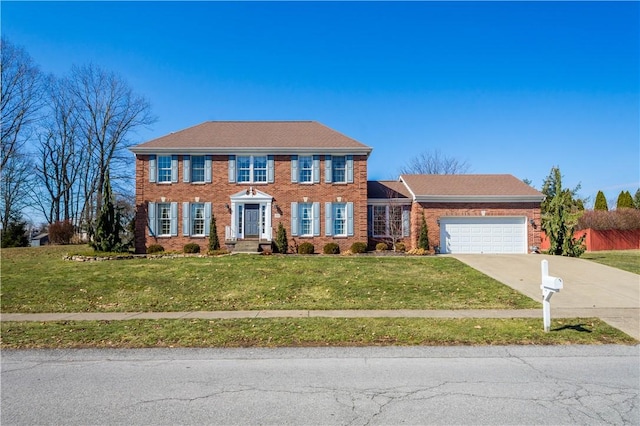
[483, 235]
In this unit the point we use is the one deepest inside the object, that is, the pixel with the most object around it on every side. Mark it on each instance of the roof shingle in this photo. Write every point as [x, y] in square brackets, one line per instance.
[225, 136]
[469, 186]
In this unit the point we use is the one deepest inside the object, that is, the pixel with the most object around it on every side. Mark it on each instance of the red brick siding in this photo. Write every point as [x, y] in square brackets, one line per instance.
[434, 211]
[219, 191]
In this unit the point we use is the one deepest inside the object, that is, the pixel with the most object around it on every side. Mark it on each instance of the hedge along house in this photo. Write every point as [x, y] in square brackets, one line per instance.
[251, 176]
[475, 213]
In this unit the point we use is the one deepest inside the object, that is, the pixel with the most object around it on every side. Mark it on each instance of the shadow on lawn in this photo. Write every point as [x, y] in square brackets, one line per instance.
[577, 327]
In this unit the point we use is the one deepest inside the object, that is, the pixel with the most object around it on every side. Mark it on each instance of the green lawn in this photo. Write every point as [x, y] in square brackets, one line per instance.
[39, 280]
[307, 332]
[628, 260]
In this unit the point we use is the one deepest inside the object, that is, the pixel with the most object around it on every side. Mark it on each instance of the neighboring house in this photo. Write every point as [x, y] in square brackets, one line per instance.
[39, 240]
[253, 176]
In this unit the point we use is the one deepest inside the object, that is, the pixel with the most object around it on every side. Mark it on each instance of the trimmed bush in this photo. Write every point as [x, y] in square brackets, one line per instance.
[191, 248]
[331, 248]
[358, 247]
[155, 248]
[401, 247]
[382, 247]
[306, 248]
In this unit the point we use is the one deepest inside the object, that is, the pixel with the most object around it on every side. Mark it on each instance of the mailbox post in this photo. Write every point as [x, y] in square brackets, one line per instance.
[550, 285]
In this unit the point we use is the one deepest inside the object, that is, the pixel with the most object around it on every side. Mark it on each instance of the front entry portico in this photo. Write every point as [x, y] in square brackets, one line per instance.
[250, 216]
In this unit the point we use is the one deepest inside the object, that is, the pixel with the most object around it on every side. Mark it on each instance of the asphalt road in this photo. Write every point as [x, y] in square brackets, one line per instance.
[584, 385]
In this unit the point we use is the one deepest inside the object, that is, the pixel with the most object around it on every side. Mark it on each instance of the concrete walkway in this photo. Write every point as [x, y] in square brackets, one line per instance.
[610, 294]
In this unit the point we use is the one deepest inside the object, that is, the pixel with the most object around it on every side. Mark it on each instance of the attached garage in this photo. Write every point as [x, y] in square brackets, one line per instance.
[479, 234]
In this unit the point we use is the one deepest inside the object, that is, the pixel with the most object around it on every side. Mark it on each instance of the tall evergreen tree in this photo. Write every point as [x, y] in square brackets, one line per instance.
[636, 199]
[423, 238]
[559, 217]
[214, 242]
[625, 200]
[108, 226]
[601, 202]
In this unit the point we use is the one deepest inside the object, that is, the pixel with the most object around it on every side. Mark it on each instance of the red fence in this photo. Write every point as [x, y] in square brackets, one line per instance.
[611, 239]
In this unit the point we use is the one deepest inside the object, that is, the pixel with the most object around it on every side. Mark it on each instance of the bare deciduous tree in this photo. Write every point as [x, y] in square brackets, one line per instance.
[108, 112]
[19, 99]
[15, 185]
[19, 105]
[434, 163]
[61, 156]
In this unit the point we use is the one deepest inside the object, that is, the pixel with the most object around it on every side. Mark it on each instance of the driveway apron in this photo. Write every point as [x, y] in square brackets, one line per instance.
[590, 289]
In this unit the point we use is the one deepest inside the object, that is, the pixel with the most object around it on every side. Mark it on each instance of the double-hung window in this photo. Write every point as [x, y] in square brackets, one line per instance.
[305, 169]
[164, 168]
[197, 219]
[339, 172]
[306, 220]
[251, 168]
[338, 169]
[197, 168]
[163, 219]
[305, 163]
[338, 219]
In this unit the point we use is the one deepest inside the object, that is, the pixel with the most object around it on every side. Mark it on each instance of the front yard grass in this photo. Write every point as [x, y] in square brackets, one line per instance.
[627, 260]
[36, 280]
[277, 332]
[39, 280]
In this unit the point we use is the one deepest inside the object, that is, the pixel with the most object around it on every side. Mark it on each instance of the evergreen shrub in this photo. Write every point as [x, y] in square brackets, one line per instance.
[306, 248]
[382, 247]
[191, 248]
[331, 248]
[358, 247]
[155, 248]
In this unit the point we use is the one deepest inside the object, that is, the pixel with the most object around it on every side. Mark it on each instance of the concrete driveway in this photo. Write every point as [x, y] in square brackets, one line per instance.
[590, 289]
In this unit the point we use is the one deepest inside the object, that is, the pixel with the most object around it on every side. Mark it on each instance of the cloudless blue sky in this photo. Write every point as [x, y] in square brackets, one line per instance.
[510, 87]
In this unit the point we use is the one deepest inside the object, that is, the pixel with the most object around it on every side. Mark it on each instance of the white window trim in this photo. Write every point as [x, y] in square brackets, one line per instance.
[252, 169]
[160, 169]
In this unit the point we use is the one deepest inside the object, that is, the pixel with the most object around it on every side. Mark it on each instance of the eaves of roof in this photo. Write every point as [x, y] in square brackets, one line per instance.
[478, 198]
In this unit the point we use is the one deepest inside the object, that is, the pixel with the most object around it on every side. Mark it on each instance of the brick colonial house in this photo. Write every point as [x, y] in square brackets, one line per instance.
[253, 176]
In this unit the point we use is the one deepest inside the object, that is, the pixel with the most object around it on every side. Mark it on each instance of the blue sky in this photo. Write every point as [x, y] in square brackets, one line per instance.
[510, 87]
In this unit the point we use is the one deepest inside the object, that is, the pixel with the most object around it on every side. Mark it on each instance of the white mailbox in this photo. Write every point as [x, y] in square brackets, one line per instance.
[551, 283]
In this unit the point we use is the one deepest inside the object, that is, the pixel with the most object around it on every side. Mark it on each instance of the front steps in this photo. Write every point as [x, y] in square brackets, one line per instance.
[250, 246]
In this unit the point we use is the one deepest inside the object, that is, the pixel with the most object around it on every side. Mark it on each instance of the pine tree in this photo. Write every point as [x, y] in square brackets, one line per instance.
[108, 226]
[625, 200]
[423, 238]
[601, 202]
[214, 242]
[15, 235]
[636, 199]
[559, 217]
[281, 243]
